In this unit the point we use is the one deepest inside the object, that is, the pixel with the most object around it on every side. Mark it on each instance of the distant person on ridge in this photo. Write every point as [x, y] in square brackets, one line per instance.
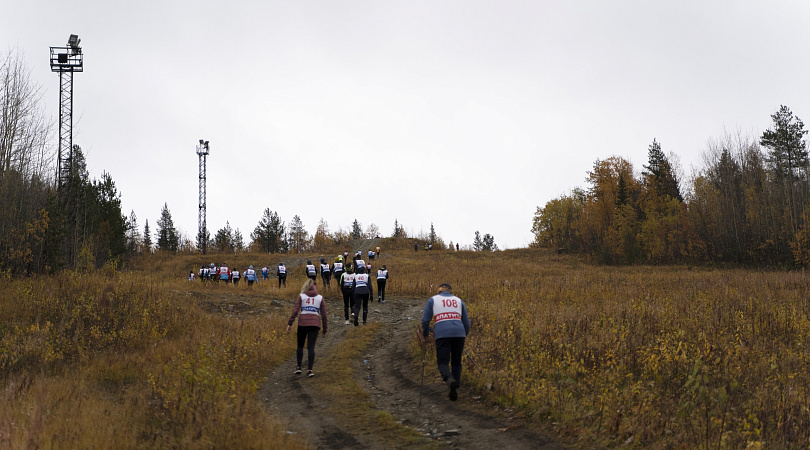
[451, 327]
[265, 273]
[311, 271]
[382, 278]
[235, 277]
[281, 273]
[313, 316]
[346, 281]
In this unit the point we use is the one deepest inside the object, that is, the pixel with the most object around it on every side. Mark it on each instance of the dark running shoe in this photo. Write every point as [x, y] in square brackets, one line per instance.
[453, 388]
[310, 374]
[297, 371]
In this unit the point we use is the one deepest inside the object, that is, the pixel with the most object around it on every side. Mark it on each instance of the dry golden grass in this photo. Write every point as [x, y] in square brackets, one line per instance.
[117, 361]
[657, 356]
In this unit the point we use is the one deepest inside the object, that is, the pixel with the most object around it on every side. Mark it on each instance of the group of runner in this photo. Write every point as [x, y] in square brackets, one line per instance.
[445, 310]
[222, 273]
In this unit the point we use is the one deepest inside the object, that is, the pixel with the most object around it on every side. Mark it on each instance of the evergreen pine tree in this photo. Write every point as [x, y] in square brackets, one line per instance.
[298, 238]
[269, 233]
[660, 173]
[478, 244]
[133, 234]
[357, 230]
[488, 243]
[147, 237]
[224, 239]
[238, 241]
[168, 238]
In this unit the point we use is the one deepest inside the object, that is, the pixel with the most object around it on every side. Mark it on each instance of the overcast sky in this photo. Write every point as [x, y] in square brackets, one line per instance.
[466, 114]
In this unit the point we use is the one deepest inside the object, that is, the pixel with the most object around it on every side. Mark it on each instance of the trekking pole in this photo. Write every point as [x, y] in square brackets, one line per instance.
[424, 360]
[473, 361]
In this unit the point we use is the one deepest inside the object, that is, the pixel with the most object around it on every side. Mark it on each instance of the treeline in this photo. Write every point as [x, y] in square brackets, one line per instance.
[273, 235]
[749, 204]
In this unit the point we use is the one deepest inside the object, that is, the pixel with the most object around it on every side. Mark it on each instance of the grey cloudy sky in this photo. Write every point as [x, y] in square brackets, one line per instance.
[466, 114]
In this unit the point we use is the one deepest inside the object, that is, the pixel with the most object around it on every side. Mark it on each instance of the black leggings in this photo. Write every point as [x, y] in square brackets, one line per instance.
[282, 280]
[310, 335]
[381, 288]
[347, 301]
[358, 298]
[326, 277]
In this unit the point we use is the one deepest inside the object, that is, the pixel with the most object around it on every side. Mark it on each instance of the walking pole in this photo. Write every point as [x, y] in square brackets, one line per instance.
[473, 361]
[422, 383]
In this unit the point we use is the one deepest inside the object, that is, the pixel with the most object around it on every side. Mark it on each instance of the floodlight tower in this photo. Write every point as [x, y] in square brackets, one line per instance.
[202, 235]
[66, 60]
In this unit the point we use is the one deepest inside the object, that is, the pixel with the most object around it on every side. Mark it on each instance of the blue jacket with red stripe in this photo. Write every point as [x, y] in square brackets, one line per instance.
[451, 317]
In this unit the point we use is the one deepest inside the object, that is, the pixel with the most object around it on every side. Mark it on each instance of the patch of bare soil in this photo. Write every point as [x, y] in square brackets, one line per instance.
[393, 382]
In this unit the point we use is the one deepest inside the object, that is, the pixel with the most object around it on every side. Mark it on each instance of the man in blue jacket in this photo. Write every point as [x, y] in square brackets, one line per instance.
[452, 324]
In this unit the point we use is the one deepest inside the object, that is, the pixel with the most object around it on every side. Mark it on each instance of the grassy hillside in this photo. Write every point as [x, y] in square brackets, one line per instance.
[652, 356]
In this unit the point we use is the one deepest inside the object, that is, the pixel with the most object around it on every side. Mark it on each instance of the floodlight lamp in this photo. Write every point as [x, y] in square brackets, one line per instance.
[74, 40]
[201, 142]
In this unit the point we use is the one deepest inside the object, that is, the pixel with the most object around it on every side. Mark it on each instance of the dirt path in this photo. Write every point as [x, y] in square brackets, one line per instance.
[393, 383]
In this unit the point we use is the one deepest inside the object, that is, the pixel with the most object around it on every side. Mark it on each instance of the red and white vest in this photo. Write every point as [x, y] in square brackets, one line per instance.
[311, 305]
[348, 278]
[446, 308]
[361, 280]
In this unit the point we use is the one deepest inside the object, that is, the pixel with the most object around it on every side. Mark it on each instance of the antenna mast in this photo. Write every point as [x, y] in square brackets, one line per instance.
[66, 60]
[202, 233]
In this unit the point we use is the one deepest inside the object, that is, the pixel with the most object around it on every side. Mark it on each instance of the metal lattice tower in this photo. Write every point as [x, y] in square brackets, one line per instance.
[66, 60]
[202, 233]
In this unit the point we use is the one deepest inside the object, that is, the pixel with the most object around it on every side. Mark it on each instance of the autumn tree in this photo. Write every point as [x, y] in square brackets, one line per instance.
[659, 233]
[322, 240]
[372, 231]
[556, 225]
[27, 220]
